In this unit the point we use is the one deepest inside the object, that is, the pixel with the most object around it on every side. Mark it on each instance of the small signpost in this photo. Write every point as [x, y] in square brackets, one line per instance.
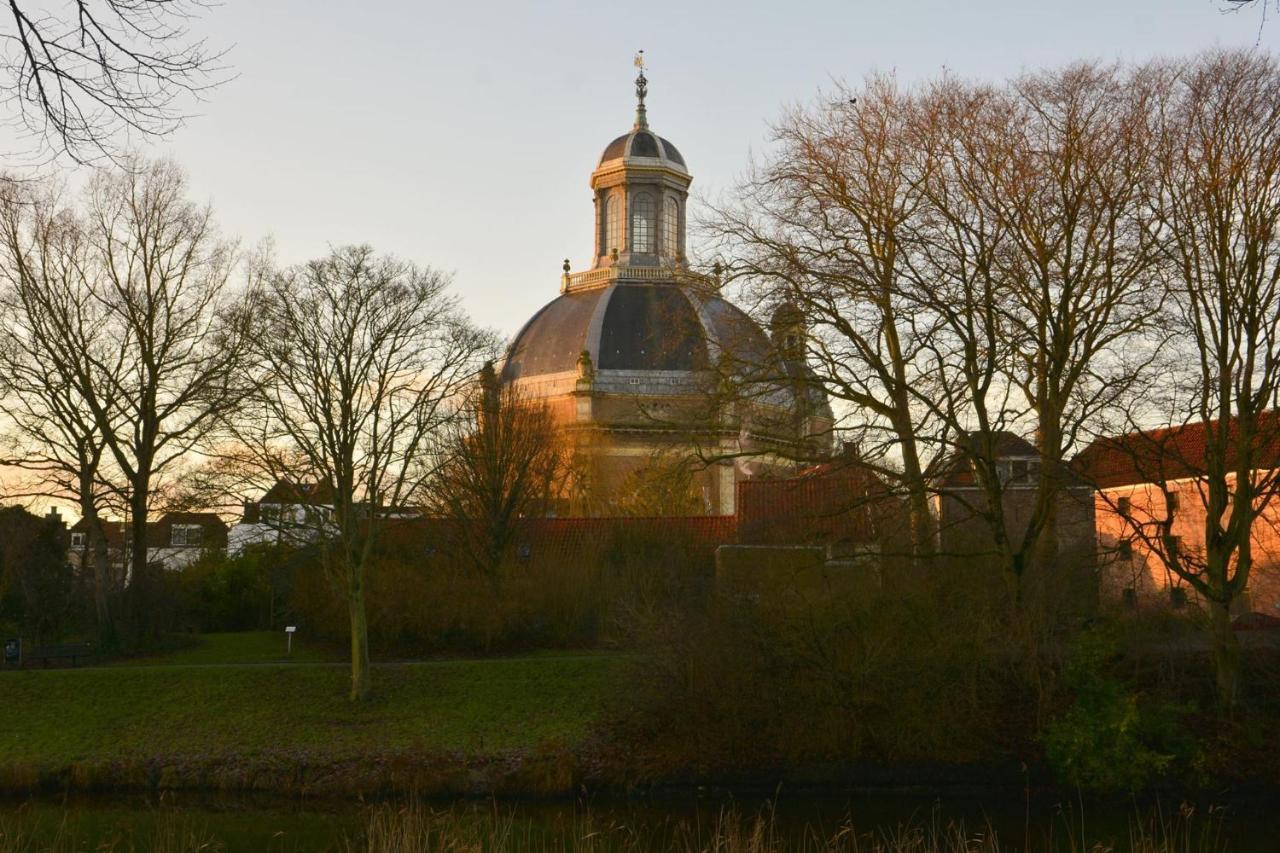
[13, 652]
[289, 632]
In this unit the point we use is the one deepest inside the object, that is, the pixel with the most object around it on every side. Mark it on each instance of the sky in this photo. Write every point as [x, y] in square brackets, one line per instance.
[461, 135]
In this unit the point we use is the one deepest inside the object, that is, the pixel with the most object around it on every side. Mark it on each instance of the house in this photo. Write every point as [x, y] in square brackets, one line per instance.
[288, 512]
[962, 508]
[174, 541]
[292, 512]
[1147, 478]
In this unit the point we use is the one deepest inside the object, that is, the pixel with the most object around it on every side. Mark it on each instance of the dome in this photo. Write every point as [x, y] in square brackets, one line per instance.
[642, 145]
[666, 336]
[631, 326]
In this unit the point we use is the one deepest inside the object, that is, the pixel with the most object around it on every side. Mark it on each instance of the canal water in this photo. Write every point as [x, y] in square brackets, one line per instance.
[682, 823]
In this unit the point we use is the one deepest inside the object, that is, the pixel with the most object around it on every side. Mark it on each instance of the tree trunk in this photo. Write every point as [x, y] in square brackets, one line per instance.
[920, 516]
[360, 678]
[99, 561]
[137, 534]
[1226, 654]
[921, 522]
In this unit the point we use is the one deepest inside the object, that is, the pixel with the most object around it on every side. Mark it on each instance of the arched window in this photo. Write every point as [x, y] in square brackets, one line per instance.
[671, 228]
[642, 224]
[613, 225]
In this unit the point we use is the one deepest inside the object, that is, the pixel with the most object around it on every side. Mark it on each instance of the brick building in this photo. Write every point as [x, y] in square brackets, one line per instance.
[1149, 478]
[962, 508]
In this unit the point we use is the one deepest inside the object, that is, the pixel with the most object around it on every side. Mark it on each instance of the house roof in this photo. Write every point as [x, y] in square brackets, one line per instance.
[954, 468]
[1171, 453]
[160, 532]
[286, 491]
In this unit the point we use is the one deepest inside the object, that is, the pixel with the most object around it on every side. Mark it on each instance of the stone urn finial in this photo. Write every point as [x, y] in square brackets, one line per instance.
[586, 370]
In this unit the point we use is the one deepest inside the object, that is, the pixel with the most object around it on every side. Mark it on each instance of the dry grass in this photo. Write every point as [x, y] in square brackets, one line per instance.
[417, 828]
[413, 828]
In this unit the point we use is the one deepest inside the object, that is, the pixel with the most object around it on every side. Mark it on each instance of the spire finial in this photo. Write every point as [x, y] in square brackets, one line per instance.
[642, 88]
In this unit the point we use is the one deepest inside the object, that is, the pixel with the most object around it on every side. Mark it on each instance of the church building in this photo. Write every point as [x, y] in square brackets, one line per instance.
[642, 360]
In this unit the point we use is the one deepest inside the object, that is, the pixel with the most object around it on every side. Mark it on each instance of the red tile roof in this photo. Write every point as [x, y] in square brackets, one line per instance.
[1170, 453]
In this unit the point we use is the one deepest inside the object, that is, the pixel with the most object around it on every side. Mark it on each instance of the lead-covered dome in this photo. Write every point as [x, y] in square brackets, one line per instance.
[641, 145]
[674, 337]
[633, 326]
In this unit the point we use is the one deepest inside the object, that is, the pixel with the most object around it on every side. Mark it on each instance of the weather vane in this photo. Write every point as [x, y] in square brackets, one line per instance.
[642, 88]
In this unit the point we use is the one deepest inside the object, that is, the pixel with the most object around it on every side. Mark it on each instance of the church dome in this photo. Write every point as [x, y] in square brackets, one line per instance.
[660, 339]
[639, 353]
[633, 326]
[642, 146]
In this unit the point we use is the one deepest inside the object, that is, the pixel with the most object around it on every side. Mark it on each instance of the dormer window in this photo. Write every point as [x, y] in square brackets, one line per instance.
[642, 224]
[1018, 471]
[77, 540]
[186, 534]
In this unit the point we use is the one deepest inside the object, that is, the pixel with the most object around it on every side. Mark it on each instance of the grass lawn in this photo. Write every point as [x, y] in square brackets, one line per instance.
[53, 717]
[241, 647]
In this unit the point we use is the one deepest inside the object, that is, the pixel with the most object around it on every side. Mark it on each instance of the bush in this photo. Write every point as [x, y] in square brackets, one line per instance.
[216, 593]
[1112, 737]
[557, 598]
[921, 674]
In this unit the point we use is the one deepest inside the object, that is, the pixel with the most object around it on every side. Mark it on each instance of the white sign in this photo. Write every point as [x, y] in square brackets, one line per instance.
[291, 629]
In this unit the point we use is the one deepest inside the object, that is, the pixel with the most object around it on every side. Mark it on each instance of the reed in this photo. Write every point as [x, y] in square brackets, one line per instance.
[414, 828]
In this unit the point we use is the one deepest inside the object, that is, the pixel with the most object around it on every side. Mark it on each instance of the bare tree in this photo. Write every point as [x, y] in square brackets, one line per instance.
[502, 463]
[1217, 205]
[158, 348]
[820, 226]
[1031, 262]
[361, 360]
[82, 72]
[54, 327]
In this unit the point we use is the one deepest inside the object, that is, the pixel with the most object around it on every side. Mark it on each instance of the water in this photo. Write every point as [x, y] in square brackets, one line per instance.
[685, 821]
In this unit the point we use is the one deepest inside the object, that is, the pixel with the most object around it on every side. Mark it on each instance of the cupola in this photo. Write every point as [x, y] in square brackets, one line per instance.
[641, 187]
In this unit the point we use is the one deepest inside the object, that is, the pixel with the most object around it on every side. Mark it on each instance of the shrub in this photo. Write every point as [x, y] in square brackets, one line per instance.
[1112, 737]
[919, 674]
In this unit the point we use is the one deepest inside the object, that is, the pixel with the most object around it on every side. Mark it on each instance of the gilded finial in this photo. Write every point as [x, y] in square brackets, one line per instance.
[566, 266]
[642, 89]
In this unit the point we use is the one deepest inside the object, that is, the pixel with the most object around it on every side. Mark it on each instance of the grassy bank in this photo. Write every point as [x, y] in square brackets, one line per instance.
[192, 717]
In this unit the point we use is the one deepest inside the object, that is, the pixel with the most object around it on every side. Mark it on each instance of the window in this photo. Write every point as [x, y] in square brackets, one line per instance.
[612, 225]
[1017, 470]
[524, 552]
[1124, 506]
[1173, 501]
[186, 534]
[77, 540]
[671, 228]
[642, 225]
[1126, 549]
[1177, 597]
